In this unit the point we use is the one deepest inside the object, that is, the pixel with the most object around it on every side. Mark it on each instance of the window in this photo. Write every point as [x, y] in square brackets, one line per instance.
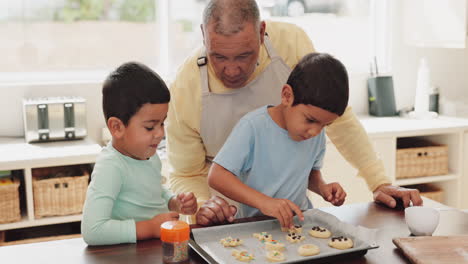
[343, 28]
[76, 40]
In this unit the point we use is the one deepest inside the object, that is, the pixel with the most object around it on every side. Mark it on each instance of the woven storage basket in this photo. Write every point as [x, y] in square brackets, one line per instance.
[418, 158]
[430, 191]
[10, 203]
[59, 196]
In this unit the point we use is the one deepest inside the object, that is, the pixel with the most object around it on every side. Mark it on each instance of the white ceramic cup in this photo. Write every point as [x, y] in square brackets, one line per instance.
[422, 221]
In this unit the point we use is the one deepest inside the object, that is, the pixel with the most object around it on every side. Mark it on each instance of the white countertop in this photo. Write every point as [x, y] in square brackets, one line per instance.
[15, 153]
[405, 126]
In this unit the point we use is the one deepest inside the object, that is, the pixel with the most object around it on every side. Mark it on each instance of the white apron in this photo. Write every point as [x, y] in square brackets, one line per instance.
[221, 112]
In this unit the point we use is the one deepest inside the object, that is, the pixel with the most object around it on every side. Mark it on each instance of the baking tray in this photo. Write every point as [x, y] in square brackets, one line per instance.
[205, 241]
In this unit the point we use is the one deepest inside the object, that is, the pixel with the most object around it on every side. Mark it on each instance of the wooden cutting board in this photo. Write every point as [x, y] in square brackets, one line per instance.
[434, 249]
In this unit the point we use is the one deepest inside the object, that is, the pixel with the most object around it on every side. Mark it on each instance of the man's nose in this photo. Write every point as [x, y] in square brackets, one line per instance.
[232, 70]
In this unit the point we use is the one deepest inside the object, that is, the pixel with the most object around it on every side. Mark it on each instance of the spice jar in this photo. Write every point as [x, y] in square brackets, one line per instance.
[175, 236]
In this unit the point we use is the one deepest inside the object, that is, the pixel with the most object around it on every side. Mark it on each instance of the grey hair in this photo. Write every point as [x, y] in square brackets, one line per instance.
[229, 16]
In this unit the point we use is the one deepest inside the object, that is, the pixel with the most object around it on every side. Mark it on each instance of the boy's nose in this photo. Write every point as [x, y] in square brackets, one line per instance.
[314, 131]
[159, 133]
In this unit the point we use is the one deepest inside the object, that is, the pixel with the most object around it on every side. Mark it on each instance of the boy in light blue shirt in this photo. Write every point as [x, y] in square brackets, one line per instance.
[126, 201]
[274, 154]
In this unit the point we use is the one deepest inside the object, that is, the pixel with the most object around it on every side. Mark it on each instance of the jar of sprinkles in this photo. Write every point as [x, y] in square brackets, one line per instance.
[175, 236]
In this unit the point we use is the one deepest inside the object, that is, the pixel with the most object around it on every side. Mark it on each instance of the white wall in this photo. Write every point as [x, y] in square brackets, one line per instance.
[11, 107]
[449, 67]
[449, 71]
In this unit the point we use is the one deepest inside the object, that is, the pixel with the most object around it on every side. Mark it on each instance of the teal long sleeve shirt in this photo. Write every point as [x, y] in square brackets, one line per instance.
[122, 192]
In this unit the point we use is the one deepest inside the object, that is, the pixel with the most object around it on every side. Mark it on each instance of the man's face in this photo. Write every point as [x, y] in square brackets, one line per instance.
[234, 57]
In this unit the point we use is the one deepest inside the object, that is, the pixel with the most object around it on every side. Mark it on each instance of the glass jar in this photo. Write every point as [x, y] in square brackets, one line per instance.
[175, 236]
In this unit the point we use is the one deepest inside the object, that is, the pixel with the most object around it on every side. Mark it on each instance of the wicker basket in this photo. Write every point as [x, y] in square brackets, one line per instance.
[10, 203]
[418, 158]
[59, 196]
[430, 191]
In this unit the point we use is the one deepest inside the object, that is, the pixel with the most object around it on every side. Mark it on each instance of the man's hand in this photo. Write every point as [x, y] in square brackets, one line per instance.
[333, 193]
[215, 211]
[387, 194]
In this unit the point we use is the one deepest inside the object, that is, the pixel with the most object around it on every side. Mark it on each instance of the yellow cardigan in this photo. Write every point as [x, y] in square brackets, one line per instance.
[186, 152]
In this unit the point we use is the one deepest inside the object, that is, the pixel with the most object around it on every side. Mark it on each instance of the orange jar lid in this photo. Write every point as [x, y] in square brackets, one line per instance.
[175, 231]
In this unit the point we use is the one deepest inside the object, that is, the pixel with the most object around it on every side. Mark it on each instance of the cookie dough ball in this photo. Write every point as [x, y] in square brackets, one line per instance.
[308, 250]
[263, 236]
[231, 242]
[243, 256]
[274, 245]
[294, 238]
[340, 242]
[296, 229]
[275, 256]
[320, 232]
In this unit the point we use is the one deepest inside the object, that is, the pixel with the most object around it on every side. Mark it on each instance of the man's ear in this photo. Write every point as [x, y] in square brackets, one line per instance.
[116, 127]
[262, 31]
[287, 95]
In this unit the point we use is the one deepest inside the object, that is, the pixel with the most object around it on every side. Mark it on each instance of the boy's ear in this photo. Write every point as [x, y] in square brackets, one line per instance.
[116, 127]
[287, 95]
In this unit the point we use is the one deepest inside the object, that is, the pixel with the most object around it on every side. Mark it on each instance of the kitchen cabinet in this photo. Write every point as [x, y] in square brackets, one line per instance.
[22, 158]
[384, 133]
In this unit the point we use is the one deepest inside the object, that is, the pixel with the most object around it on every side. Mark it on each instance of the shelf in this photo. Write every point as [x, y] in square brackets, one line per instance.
[428, 179]
[17, 154]
[25, 222]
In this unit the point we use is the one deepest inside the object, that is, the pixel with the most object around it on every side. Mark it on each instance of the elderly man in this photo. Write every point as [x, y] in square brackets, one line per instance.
[243, 65]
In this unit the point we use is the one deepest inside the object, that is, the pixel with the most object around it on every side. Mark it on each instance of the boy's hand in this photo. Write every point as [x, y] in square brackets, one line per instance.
[186, 203]
[333, 193]
[157, 220]
[281, 209]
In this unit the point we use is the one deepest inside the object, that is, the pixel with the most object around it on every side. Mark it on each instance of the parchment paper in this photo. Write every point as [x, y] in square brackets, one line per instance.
[208, 238]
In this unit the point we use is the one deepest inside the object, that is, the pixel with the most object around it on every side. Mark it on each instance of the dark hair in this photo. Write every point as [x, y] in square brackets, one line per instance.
[322, 81]
[129, 87]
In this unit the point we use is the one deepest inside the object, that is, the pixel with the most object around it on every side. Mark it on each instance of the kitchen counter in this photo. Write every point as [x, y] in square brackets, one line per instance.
[389, 222]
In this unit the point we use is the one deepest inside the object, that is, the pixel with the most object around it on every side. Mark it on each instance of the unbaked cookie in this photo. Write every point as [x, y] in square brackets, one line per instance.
[263, 236]
[275, 256]
[274, 245]
[320, 232]
[231, 242]
[340, 242]
[308, 250]
[296, 229]
[243, 256]
[294, 238]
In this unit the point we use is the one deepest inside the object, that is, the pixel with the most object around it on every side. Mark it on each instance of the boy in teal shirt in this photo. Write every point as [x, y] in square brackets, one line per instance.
[274, 154]
[126, 201]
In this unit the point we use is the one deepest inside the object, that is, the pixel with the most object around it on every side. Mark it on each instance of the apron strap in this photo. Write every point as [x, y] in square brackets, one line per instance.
[202, 63]
[269, 47]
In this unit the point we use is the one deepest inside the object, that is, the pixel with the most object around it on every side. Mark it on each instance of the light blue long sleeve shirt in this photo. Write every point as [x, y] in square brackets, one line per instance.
[122, 192]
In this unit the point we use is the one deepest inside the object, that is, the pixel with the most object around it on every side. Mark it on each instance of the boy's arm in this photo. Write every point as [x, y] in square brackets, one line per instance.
[315, 181]
[150, 228]
[97, 226]
[228, 184]
[330, 192]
